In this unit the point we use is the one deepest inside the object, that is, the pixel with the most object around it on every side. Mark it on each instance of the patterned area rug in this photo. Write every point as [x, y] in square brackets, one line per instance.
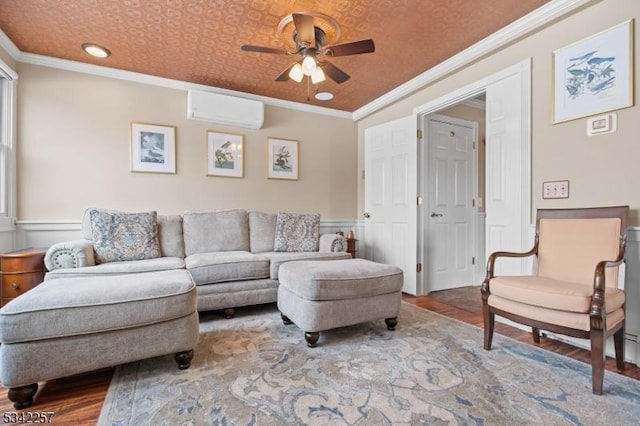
[254, 370]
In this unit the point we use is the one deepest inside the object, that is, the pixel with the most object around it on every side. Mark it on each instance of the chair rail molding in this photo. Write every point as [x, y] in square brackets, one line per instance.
[44, 233]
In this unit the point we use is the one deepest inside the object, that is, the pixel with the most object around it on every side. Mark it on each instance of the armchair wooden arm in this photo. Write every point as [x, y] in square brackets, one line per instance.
[599, 285]
[495, 255]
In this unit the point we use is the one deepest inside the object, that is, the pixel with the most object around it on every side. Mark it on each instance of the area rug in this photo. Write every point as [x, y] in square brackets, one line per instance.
[254, 370]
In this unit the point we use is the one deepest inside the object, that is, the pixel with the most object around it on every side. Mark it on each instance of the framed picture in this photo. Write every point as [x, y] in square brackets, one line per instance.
[594, 75]
[282, 159]
[153, 148]
[225, 154]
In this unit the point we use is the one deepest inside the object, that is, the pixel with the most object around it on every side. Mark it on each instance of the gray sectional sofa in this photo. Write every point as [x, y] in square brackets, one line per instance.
[232, 255]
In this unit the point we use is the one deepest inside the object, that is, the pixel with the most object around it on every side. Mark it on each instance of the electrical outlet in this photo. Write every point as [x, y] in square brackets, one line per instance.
[555, 189]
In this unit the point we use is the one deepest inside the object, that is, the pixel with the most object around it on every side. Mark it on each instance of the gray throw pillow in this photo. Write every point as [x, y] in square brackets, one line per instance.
[297, 232]
[119, 236]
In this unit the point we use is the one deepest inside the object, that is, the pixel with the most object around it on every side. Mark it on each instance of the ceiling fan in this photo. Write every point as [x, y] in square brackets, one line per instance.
[310, 42]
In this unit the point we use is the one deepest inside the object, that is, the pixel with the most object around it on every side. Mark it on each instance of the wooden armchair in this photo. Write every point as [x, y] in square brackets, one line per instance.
[575, 288]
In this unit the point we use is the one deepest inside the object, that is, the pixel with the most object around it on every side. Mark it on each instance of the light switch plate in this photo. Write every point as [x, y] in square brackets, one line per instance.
[555, 189]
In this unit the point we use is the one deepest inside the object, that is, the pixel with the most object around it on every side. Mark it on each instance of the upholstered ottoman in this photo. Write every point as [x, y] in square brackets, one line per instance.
[72, 325]
[319, 296]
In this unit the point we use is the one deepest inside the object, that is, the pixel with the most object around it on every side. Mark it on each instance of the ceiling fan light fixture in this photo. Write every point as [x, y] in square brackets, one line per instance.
[296, 74]
[95, 50]
[318, 76]
[309, 65]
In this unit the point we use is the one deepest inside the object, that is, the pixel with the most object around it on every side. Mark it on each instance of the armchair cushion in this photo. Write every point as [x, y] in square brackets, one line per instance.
[119, 236]
[551, 316]
[297, 232]
[549, 293]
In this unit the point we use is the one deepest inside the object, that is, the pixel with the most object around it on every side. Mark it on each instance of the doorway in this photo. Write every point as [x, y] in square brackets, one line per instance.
[507, 181]
[451, 225]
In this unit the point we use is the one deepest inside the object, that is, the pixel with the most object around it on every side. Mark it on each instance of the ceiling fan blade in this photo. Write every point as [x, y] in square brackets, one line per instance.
[284, 75]
[335, 73]
[304, 28]
[351, 48]
[263, 49]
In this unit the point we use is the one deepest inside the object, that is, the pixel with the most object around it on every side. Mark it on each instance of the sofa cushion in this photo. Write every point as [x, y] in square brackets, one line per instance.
[119, 268]
[170, 235]
[209, 268]
[297, 232]
[74, 306]
[262, 231]
[215, 231]
[278, 258]
[119, 236]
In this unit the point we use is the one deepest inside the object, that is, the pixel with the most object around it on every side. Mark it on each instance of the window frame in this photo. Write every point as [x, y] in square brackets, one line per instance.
[8, 124]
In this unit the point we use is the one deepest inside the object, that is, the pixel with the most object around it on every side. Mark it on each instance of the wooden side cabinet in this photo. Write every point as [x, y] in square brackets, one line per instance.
[20, 271]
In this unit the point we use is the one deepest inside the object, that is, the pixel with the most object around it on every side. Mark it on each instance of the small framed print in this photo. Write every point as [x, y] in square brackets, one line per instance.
[594, 75]
[282, 159]
[153, 148]
[225, 154]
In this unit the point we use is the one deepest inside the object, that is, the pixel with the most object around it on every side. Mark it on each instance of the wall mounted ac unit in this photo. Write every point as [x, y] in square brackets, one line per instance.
[224, 109]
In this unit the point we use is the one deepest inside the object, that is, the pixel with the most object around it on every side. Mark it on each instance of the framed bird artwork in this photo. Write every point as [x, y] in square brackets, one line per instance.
[594, 75]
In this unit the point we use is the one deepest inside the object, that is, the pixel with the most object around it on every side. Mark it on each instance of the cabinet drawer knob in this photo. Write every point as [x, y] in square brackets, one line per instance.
[14, 286]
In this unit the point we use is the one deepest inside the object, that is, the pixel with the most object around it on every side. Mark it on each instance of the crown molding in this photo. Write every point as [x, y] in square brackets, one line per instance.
[523, 26]
[9, 46]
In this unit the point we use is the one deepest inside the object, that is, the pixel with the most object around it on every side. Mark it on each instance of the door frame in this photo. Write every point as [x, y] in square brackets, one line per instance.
[423, 161]
[457, 96]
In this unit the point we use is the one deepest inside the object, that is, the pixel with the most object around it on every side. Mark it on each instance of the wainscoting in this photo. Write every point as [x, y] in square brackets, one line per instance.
[46, 233]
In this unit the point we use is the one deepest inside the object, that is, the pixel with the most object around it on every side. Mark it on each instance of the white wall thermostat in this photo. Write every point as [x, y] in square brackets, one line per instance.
[607, 123]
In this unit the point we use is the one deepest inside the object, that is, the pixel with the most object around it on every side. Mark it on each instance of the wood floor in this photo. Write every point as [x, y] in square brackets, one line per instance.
[78, 400]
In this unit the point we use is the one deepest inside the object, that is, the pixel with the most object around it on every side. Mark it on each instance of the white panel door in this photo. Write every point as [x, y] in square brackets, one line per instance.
[390, 157]
[450, 227]
[506, 172]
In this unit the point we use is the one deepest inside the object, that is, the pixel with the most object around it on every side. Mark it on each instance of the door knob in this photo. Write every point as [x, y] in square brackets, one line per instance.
[434, 214]
[367, 215]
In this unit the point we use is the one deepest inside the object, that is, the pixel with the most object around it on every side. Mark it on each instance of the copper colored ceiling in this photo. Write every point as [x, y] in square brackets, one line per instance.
[199, 40]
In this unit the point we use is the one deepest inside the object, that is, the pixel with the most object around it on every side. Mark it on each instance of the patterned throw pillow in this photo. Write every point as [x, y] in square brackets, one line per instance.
[121, 236]
[297, 232]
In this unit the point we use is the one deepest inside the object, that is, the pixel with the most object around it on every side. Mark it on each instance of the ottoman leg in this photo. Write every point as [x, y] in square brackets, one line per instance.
[22, 396]
[184, 359]
[229, 313]
[391, 323]
[285, 319]
[311, 338]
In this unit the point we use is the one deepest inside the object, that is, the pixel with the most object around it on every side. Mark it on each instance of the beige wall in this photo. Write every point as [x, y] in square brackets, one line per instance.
[74, 152]
[602, 170]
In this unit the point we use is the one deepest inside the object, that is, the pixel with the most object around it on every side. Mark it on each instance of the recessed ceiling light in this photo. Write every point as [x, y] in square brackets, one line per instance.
[95, 50]
[324, 96]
